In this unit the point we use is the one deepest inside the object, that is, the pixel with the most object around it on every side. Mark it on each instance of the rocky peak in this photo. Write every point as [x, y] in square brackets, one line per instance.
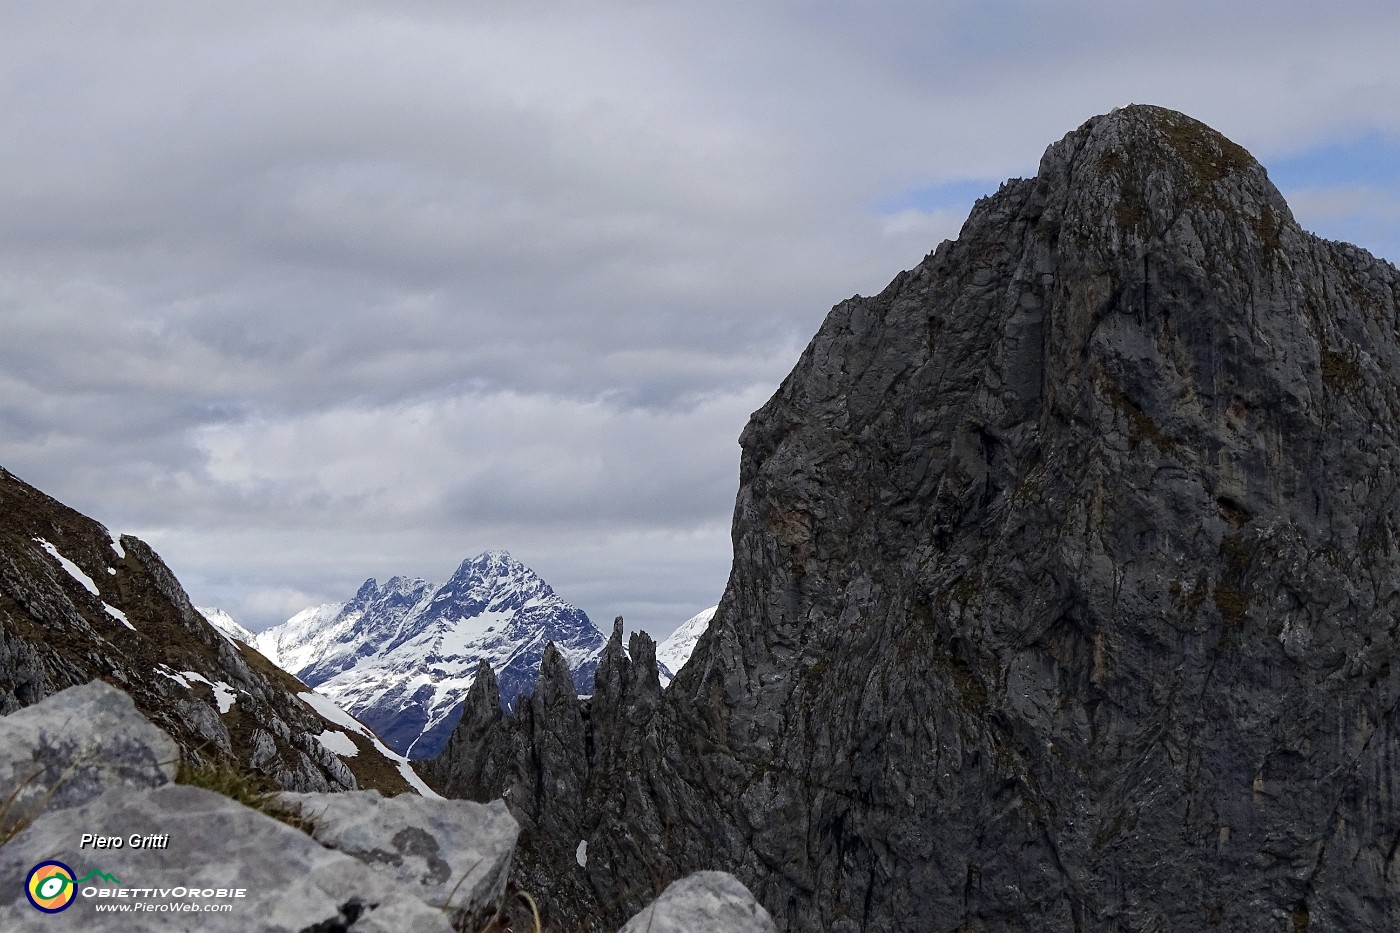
[402, 656]
[1138, 169]
[1064, 584]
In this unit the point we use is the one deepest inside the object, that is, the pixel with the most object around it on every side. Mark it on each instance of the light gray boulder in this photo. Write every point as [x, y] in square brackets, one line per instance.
[713, 901]
[291, 882]
[75, 745]
[445, 852]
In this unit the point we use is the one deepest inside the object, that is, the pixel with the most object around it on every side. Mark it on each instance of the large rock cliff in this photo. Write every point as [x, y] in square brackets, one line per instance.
[1064, 592]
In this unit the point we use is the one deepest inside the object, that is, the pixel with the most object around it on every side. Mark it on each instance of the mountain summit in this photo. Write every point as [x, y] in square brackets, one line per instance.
[401, 655]
[1065, 587]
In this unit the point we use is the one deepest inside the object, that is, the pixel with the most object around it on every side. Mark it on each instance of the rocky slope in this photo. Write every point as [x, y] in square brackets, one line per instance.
[401, 656]
[77, 603]
[1064, 593]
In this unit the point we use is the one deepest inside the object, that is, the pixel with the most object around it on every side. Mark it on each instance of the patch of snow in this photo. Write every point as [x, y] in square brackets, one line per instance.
[327, 709]
[406, 770]
[224, 695]
[73, 569]
[112, 571]
[339, 743]
[167, 672]
[117, 614]
[117, 544]
[581, 853]
[196, 675]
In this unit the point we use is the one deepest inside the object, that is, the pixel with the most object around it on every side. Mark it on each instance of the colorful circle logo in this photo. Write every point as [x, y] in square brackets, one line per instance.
[50, 887]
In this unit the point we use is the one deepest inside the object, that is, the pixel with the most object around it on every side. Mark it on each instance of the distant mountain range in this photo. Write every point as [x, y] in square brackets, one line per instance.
[677, 648]
[400, 656]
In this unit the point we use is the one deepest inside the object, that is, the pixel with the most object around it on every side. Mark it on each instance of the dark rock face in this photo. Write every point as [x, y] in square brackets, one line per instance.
[1064, 593]
[557, 759]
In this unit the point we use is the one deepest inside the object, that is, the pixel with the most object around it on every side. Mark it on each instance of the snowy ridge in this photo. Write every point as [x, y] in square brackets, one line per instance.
[322, 641]
[400, 657]
[225, 625]
[672, 653]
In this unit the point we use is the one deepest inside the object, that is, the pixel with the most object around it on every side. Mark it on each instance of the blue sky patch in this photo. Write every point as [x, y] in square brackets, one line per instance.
[1373, 161]
[1346, 191]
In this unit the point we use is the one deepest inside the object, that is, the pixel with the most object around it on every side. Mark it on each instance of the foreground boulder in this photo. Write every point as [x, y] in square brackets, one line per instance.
[79, 744]
[447, 853]
[707, 900]
[86, 781]
[289, 881]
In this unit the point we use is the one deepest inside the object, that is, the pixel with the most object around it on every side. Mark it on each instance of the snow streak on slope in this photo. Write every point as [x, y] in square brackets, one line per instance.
[72, 569]
[401, 656]
[328, 709]
[676, 649]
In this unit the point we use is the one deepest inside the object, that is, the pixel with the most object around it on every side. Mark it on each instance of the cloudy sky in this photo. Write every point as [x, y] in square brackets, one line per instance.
[306, 292]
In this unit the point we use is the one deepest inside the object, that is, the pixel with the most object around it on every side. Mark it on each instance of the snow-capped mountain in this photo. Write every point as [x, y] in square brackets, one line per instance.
[318, 643]
[676, 649]
[225, 624]
[401, 656]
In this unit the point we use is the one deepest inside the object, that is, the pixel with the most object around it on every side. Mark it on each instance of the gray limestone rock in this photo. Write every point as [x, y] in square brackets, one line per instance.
[713, 901]
[77, 744]
[1065, 588]
[290, 882]
[447, 853]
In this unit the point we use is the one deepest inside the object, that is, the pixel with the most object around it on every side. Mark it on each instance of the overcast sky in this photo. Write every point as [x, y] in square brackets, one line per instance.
[303, 293]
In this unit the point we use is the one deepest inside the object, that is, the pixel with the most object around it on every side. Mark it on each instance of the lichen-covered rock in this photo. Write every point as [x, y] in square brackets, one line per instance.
[1065, 585]
[448, 853]
[713, 901]
[79, 743]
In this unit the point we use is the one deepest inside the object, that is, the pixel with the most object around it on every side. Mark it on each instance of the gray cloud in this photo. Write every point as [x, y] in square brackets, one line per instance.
[309, 292]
